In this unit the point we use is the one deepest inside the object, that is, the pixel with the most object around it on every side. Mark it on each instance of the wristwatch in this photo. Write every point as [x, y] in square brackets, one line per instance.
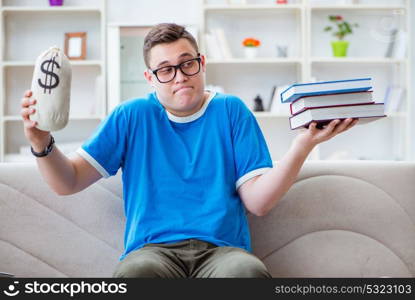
[46, 151]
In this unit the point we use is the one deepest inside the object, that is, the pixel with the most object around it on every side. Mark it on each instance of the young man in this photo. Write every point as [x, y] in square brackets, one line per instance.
[193, 162]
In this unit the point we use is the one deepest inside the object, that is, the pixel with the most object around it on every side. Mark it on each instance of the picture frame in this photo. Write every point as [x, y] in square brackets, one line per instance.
[75, 45]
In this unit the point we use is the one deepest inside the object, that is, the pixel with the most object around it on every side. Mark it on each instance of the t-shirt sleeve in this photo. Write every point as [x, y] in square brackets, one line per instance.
[105, 149]
[251, 153]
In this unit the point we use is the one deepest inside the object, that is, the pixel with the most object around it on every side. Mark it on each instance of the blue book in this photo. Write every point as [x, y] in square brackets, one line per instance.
[298, 90]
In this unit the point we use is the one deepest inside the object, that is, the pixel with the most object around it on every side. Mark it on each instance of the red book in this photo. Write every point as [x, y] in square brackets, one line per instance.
[323, 115]
[308, 102]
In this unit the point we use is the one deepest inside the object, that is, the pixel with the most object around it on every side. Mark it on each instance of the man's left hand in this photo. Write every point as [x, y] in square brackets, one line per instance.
[313, 136]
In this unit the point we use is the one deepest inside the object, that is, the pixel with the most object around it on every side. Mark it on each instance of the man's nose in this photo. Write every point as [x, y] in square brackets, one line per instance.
[180, 76]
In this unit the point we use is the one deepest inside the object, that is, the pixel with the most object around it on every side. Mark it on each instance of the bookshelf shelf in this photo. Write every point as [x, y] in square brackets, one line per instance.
[253, 7]
[358, 60]
[255, 61]
[266, 114]
[32, 64]
[357, 7]
[300, 28]
[30, 9]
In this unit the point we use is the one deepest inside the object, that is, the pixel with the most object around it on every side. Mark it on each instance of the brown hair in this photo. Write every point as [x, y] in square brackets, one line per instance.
[165, 33]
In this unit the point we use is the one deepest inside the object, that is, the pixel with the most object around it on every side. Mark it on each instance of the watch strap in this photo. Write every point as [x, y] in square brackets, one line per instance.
[47, 150]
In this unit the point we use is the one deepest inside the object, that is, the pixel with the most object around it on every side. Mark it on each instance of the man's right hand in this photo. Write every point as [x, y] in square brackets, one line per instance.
[64, 175]
[38, 139]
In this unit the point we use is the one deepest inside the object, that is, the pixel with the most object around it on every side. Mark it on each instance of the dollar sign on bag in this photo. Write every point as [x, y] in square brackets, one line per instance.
[49, 75]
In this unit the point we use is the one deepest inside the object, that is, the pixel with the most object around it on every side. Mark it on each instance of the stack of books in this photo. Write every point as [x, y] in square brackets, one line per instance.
[329, 100]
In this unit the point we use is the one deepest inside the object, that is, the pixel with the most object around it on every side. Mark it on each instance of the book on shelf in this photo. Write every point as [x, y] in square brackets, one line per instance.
[400, 44]
[271, 98]
[223, 44]
[323, 115]
[391, 44]
[213, 51]
[298, 90]
[307, 102]
[276, 106]
[217, 45]
[393, 98]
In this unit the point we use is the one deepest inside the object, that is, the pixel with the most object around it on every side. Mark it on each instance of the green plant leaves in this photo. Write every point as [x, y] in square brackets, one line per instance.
[343, 27]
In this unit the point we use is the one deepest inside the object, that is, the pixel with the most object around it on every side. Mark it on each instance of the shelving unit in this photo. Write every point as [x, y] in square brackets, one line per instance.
[31, 9]
[252, 7]
[258, 60]
[97, 63]
[357, 7]
[299, 25]
[27, 29]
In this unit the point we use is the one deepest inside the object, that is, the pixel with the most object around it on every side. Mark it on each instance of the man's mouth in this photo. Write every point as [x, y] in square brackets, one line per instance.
[182, 88]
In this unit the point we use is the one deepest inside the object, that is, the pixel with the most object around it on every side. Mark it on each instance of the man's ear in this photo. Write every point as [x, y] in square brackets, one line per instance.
[149, 77]
[203, 62]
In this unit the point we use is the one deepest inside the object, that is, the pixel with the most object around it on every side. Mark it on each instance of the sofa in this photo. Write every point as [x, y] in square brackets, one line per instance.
[339, 219]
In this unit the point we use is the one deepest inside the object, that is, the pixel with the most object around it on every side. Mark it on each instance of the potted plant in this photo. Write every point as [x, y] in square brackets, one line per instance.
[251, 47]
[340, 29]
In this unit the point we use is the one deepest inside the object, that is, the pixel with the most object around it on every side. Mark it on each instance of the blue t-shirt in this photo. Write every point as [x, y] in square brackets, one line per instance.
[181, 174]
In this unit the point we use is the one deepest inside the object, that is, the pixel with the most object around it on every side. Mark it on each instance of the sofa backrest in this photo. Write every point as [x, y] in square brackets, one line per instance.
[340, 219]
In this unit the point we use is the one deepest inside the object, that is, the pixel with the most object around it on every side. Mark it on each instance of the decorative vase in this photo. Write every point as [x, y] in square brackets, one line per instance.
[250, 52]
[339, 48]
[55, 2]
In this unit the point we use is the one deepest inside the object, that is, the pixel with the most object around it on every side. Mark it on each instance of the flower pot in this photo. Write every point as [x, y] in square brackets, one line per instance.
[55, 2]
[250, 52]
[339, 48]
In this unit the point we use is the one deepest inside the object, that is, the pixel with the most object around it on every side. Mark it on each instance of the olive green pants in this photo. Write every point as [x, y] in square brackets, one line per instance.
[190, 259]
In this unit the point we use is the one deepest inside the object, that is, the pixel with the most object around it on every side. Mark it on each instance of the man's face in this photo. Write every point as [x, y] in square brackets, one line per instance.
[184, 94]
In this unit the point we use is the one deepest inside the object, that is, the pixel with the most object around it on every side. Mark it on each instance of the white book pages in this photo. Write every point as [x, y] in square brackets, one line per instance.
[330, 100]
[340, 112]
[220, 36]
[393, 98]
[212, 48]
[400, 47]
[276, 106]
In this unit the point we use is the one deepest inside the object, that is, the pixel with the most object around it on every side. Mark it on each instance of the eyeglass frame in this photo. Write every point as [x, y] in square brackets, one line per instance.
[178, 66]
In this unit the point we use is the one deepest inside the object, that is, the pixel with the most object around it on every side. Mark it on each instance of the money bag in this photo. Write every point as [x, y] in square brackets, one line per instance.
[51, 87]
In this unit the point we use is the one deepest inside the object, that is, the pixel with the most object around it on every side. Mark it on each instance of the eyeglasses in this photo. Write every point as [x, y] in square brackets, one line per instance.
[189, 67]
